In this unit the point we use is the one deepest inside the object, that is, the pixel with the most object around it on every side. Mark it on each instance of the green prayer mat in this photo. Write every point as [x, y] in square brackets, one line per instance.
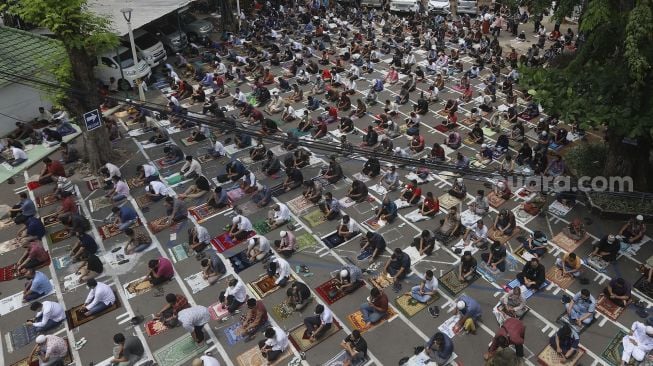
[612, 353]
[179, 252]
[261, 227]
[315, 218]
[179, 351]
[174, 179]
[305, 241]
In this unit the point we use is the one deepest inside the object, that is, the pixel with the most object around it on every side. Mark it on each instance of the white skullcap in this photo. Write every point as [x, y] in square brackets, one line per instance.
[610, 238]
[283, 233]
[649, 330]
[397, 149]
[501, 185]
[639, 218]
[235, 219]
[251, 241]
[344, 273]
[40, 339]
[459, 180]
[460, 305]
[484, 146]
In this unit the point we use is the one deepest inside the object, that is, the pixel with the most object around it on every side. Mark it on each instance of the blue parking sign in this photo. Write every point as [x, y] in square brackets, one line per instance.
[93, 120]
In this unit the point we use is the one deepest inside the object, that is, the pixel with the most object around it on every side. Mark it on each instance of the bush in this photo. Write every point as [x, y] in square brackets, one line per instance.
[586, 159]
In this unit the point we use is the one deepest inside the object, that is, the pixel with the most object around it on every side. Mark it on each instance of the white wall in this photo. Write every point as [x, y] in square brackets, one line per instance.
[21, 102]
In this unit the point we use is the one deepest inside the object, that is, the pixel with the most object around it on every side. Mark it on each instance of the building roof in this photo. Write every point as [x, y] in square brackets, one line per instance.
[143, 11]
[27, 54]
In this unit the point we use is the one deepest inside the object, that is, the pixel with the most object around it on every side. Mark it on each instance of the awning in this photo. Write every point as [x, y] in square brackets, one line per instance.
[144, 11]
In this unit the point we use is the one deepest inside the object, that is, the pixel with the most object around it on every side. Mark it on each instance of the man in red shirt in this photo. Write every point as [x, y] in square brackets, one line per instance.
[375, 308]
[68, 205]
[511, 332]
[35, 256]
[412, 193]
[51, 171]
[160, 271]
[417, 143]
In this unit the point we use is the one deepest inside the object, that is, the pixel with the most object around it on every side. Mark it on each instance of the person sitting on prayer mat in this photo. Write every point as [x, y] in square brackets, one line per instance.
[138, 241]
[358, 191]
[390, 179]
[505, 223]
[159, 271]
[376, 307]
[219, 198]
[511, 305]
[330, 207]
[168, 314]
[175, 210]
[68, 205]
[50, 350]
[258, 248]
[156, 191]
[278, 216]
[637, 344]
[569, 265]
[480, 206]
[346, 228]
[198, 240]
[449, 227]
[198, 189]
[193, 319]
[467, 267]
[173, 154]
[312, 190]
[458, 189]
[633, 231]
[387, 211]
[147, 173]
[427, 288]
[85, 245]
[496, 258]
[127, 351]
[120, 190]
[565, 342]
[191, 168]
[248, 182]
[240, 228]
[100, 297]
[355, 348]
[51, 170]
[234, 296]
[263, 195]
[298, 296]
[372, 167]
[372, 245]
[275, 344]
[212, 268]
[532, 275]
[108, 171]
[476, 236]
[439, 349]
[92, 267]
[618, 292]
[412, 193]
[535, 244]
[430, 206]
[287, 245]
[125, 216]
[279, 269]
[607, 248]
[470, 313]
[348, 279]
[424, 243]
[49, 315]
[254, 319]
[37, 285]
[25, 208]
[575, 230]
[317, 325]
[35, 256]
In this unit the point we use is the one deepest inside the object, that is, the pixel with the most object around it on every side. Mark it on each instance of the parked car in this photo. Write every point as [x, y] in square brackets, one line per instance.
[120, 66]
[173, 39]
[149, 48]
[439, 6]
[404, 6]
[196, 29]
[467, 7]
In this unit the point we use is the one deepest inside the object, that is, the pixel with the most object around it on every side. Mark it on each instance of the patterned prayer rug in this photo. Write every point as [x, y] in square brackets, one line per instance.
[143, 201]
[299, 204]
[240, 262]
[356, 320]
[554, 274]
[231, 333]
[253, 357]
[154, 327]
[315, 218]
[549, 357]
[381, 281]
[608, 308]
[496, 235]
[449, 282]
[217, 311]
[409, 306]
[110, 230]
[135, 182]
[93, 184]
[76, 317]
[566, 243]
[60, 235]
[327, 289]
[179, 351]
[282, 311]
[264, 286]
[448, 201]
[299, 338]
[50, 220]
[204, 212]
[495, 200]
[612, 352]
[305, 241]
[22, 336]
[8, 273]
[138, 287]
[46, 200]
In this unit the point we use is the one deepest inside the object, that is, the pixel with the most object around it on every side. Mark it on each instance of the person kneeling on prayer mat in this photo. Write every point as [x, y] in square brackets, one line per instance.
[496, 258]
[532, 275]
[581, 308]
[198, 240]
[37, 285]
[263, 195]
[168, 314]
[427, 288]
[254, 319]
[50, 350]
[278, 216]
[287, 245]
[469, 311]
[512, 332]
[565, 342]
[160, 271]
[138, 241]
[100, 297]
[398, 266]
[199, 188]
[212, 268]
[637, 344]
[279, 268]
[348, 279]
[425, 243]
[318, 324]
[569, 265]
[375, 308]
[275, 343]
[511, 305]
[219, 198]
[387, 211]
[241, 227]
[92, 267]
[35, 256]
[233, 297]
[330, 206]
[298, 296]
[346, 228]
[439, 349]
[49, 315]
[618, 292]
[607, 248]
[127, 351]
[85, 246]
[193, 320]
[258, 248]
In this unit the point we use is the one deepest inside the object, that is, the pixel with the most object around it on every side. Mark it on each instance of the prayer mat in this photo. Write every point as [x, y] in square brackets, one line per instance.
[50, 220]
[357, 322]
[416, 216]
[235, 194]
[598, 264]
[333, 240]
[164, 162]
[282, 311]
[110, 230]
[93, 184]
[22, 336]
[448, 201]
[488, 132]
[60, 235]
[217, 311]
[203, 159]
[154, 327]
[299, 204]
[138, 287]
[409, 306]
[262, 227]
[449, 282]
[35, 362]
[525, 116]
[174, 179]
[247, 208]
[608, 308]
[62, 262]
[549, 357]
[495, 200]
[341, 358]
[448, 325]
[196, 282]
[33, 185]
[224, 241]
[328, 292]
[301, 340]
[231, 333]
[143, 201]
[522, 216]
[179, 351]
[305, 241]
[8, 273]
[254, 357]
[204, 212]
[468, 140]
[554, 274]
[524, 194]
[278, 189]
[264, 286]
[135, 182]
[179, 252]
[375, 224]
[526, 292]
[490, 275]
[99, 203]
[566, 243]
[559, 209]
[503, 239]
[76, 317]
[315, 218]
[46, 200]
[9, 245]
[295, 131]
[612, 352]
[159, 224]
[381, 281]
[240, 262]
[441, 128]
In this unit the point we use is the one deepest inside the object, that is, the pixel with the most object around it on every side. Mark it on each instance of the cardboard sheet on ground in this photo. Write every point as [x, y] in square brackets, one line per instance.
[196, 282]
[447, 326]
[15, 301]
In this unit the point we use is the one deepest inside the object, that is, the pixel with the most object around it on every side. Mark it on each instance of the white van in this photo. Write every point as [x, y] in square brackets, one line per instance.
[404, 6]
[149, 48]
[107, 66]
[372, 3]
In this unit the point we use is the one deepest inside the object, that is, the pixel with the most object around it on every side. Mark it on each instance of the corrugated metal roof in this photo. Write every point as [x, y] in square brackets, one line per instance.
[144, 11]
[27, 54]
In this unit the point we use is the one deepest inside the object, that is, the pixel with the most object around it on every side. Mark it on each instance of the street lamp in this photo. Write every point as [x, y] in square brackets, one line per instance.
[127, 14]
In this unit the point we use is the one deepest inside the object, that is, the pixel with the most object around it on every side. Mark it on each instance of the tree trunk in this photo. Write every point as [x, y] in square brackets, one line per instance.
[629, 160]
[226, 9]
[82, 99]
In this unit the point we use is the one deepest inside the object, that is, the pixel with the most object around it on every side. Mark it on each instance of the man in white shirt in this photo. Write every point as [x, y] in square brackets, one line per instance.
[477, 235]
[218, 150]
[637, 343]
[234, 296]
[100, 297]
[428, 288]
[221, 69]
[19, 156]
[278, 215]
[275, 343]
[318, 324]
[109, 171]
[279, 268]
[239, 98]
[258, 248]
[240, 228]
[191, 168]
[48, 316]
[147, 173]
[174, 99]
[193, 320]
[156, 190]
[206, 361]
[120, 190]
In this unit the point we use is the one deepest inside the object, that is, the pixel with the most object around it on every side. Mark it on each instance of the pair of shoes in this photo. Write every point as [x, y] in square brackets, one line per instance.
[434, 311]
[396, 287]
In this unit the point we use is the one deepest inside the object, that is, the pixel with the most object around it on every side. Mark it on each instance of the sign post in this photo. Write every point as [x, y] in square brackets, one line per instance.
[92, 119]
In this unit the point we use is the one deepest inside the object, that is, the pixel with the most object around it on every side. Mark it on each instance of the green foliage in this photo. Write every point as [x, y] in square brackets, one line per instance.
[586, 159]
